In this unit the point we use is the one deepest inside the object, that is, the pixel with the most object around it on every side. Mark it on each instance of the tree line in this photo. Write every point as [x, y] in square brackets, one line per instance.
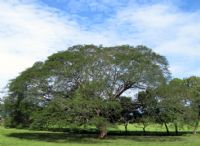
[87, 85]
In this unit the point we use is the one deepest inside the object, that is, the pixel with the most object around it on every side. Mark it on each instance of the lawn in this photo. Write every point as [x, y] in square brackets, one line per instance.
[16, 137]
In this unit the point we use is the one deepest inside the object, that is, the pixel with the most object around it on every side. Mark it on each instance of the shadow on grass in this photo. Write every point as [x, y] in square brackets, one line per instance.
[149, 136]
[90, 137]
[57, 137]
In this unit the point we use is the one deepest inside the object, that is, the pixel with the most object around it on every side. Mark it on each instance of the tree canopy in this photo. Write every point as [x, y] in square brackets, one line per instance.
[82, 85]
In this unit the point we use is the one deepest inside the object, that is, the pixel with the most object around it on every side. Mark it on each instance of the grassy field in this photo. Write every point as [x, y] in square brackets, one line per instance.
[16, 137]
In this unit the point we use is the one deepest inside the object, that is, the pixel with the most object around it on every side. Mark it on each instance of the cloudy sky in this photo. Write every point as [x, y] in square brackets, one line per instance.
[30, 30]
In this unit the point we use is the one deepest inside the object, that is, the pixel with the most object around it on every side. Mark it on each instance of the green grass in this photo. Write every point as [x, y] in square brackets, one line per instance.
[16, 137]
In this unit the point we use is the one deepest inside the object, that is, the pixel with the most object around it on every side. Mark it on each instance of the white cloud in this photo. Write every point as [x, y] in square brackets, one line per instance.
[160, 25]
[27, 33]
[166, 29]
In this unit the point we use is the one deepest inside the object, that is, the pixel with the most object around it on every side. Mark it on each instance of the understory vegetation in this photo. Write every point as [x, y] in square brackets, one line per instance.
[87, 86]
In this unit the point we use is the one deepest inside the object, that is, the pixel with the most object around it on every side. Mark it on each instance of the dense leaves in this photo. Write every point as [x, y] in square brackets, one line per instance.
[86, 85]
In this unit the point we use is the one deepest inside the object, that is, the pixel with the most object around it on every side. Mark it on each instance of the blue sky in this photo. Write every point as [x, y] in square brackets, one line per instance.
[31, 30]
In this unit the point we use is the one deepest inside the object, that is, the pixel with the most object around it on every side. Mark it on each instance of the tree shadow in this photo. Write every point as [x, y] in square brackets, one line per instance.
[90, 137]
[58, 137]
[148, 133]
[149, 136]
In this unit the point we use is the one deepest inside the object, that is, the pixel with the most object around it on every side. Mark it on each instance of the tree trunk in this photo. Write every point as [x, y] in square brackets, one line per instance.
[144, 130]
[167, 129]
[197, 123]
[103, 132]
[195, 127]
[126, 127]
[176, 128]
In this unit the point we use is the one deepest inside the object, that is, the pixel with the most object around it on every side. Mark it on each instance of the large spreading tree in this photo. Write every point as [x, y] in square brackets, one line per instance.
[82, 85]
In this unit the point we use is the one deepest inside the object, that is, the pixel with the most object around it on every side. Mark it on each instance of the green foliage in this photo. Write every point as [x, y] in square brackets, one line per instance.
[82, 85]
[192, 116]
[165, 104]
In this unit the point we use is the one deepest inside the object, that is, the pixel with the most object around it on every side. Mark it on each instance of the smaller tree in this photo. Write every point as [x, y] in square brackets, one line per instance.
[129, 113]
[193, 101]
[171, 105]
[148, 107]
